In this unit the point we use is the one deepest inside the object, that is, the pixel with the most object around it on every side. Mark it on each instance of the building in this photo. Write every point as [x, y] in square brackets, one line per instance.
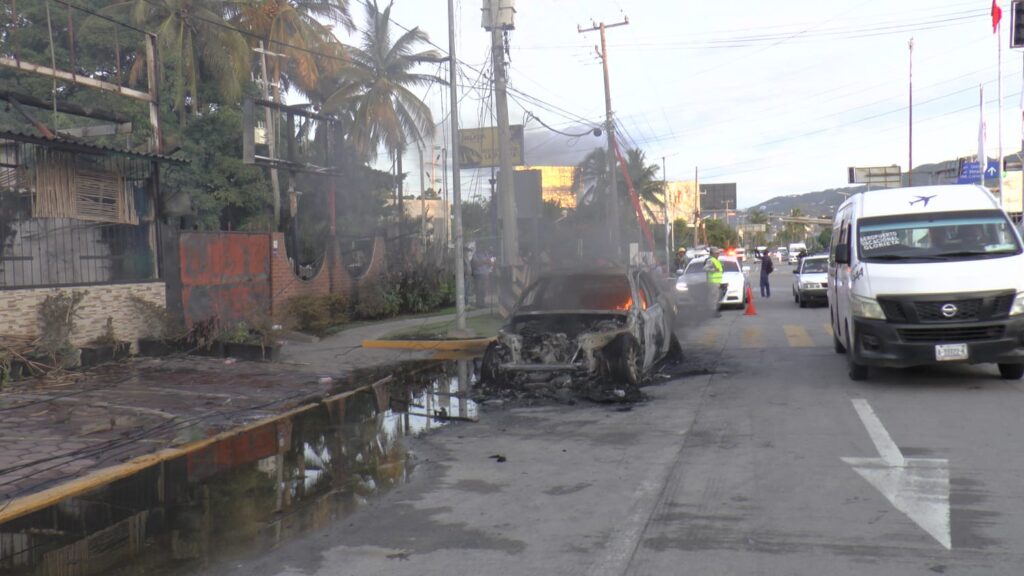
[560, 185]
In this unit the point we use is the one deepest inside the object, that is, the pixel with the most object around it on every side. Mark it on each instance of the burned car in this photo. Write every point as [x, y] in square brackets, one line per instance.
[612, 324]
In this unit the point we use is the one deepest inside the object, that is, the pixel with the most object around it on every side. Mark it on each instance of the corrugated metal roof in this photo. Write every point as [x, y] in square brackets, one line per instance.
[85, 147]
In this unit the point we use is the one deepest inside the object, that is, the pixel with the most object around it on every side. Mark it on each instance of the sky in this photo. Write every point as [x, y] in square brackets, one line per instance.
[779, 97]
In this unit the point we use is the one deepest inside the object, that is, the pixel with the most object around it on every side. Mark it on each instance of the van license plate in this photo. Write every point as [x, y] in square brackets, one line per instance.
[950, 352]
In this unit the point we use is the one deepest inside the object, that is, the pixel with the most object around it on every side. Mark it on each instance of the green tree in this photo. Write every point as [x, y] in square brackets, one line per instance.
[719, 233]
[376, 90]
[225, 192]
[301, 30]
[195, 48]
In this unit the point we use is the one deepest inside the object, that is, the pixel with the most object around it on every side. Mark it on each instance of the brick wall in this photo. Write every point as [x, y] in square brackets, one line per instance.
[19, 310]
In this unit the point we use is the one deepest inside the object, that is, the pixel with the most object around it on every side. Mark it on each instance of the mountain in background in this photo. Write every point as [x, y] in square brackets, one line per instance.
[825, 202]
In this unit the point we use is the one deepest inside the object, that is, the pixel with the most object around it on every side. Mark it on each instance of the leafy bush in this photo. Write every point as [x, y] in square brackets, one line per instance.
[57, 314]
[423, 289]
[160, 323]
[377, 300]
[317, 314]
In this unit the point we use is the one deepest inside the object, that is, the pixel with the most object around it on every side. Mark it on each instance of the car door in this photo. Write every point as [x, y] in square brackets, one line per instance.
[652, 320]
[840, 277]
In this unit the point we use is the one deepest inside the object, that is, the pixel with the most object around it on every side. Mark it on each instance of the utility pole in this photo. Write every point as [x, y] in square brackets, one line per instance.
[910, 146]
[613, 192]
[498, 23]
[271, 132]
[696, 205]
[460, 258]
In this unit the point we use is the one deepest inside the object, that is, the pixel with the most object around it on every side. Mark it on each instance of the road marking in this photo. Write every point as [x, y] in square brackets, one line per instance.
[918, 487]
[828, 329]
[751, 338]
[798, 336]
[709, 337]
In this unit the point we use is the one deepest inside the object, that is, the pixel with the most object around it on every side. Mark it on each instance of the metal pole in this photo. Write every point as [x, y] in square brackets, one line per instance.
[460, 273]
[668, 225]
[999, 116]
[910, 147]
[275, 183]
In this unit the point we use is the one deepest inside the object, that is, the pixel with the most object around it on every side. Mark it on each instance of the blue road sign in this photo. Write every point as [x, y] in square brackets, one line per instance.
[969, 172]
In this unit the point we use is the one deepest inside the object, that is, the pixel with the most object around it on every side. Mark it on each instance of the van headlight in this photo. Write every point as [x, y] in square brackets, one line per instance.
[1018, 305]
[862, 307]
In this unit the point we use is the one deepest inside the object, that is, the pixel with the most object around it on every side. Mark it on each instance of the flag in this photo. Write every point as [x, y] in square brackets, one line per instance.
[997, 15]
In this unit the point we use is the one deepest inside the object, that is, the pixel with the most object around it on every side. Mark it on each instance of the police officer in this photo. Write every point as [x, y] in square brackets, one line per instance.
[714, 269]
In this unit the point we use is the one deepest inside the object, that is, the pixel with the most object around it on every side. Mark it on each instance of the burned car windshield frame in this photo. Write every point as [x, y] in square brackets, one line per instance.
[909, 238]
[603, 292]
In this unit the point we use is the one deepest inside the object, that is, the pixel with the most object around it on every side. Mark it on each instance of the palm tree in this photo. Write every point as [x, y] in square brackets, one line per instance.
[594, 173]
[645, 179]
[376, 88]
[192, 46]
[296, 29]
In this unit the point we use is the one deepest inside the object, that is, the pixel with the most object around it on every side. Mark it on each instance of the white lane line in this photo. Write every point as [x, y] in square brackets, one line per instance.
[918, 487]
[887, 449]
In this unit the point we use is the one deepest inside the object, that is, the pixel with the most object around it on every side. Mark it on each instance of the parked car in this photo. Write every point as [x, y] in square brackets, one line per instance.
[810, 281]
[609, 323]
[734, 277]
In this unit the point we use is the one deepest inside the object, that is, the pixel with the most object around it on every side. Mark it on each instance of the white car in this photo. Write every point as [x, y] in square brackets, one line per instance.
[734, 278]
[810, 281]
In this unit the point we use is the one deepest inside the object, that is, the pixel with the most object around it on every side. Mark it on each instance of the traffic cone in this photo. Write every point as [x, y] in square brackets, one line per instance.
[751, 310]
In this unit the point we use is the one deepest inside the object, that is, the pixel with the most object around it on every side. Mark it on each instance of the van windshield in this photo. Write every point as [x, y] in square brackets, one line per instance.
[943, 236]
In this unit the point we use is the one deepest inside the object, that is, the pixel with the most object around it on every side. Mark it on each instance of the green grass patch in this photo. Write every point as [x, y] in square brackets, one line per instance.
[484, 326]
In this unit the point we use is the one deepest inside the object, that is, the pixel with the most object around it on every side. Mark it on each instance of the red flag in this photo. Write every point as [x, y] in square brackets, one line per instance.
[997, 15]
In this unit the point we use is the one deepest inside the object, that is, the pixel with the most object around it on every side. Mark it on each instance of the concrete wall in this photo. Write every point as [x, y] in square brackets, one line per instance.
[19, 310]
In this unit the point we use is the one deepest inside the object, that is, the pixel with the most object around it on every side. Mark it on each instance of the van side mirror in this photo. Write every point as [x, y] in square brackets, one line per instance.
[842, 253]
[796, 270]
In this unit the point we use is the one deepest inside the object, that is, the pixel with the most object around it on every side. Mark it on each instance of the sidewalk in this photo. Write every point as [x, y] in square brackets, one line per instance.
[343, 352]
[65, 436]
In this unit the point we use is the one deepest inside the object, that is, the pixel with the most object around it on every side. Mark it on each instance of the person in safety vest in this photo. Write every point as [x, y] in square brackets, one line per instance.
[713, 267]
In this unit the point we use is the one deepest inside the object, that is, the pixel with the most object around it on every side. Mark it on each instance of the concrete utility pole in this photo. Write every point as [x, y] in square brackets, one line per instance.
[460, 257]
[271, 131]
[668, 224]
[696, 205]
[613, 192]
[498, 24]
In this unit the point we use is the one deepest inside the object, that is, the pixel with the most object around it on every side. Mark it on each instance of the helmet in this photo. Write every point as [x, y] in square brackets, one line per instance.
[716, 252]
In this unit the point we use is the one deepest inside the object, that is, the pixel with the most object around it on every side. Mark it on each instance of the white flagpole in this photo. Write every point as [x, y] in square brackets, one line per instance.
[982, 157]
[999, 69]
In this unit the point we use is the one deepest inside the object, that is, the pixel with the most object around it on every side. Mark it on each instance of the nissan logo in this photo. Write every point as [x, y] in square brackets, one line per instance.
[949, 310]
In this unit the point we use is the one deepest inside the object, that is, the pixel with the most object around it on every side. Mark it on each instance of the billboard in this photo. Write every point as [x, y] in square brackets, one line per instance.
[1013, 198]
[478, 147]
[559, 184]
[880, 176]
[681, 199]
[718, 197]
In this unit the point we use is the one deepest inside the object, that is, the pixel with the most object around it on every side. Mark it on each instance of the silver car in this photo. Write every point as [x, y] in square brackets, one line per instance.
[810, 281]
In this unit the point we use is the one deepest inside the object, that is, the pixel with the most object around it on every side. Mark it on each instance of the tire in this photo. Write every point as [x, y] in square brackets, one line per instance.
[675, 350]
[494, 356]
[857, 372]
[626, 361]
[796, 298]
[837, 346]
[801, 301]
[1011, 371]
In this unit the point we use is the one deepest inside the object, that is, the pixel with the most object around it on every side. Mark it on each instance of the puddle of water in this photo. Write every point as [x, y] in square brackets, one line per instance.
[247, 493]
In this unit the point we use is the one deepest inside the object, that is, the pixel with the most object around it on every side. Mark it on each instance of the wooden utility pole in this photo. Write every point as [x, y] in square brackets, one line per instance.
[271, 134]
[613, 189]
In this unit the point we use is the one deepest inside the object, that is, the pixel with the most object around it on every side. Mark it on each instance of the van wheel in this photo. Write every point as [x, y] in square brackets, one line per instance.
[855, 370]
[796, 298]
[801, 301]
[837, 345]
[1011, 371]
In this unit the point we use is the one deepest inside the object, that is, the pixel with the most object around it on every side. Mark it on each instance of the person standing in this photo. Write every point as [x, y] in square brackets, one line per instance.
[767, 267]
[714, 269]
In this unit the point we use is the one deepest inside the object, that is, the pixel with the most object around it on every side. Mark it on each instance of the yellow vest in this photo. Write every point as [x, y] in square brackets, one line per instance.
[715, 276]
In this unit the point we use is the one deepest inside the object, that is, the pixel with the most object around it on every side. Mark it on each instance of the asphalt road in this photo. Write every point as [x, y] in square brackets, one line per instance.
[734, 466]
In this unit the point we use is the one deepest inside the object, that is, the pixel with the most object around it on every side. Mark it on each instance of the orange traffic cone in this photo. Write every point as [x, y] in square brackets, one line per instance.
[751, 311]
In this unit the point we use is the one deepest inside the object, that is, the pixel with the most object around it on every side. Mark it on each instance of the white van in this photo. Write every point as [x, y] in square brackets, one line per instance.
[926, 275]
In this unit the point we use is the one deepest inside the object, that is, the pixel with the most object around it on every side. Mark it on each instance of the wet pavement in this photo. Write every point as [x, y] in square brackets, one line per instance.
[251, 491]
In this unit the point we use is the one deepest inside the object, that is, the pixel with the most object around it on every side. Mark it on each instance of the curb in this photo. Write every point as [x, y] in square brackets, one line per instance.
[30, 503]
[445, 345]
